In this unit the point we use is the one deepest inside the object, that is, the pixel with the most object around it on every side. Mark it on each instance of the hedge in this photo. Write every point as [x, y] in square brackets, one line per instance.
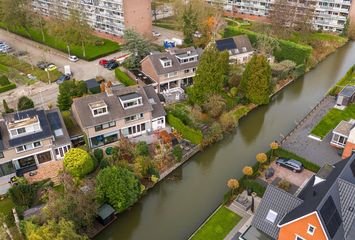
[124, 78]
[7, 87]
[288, 50]
[193, 135]
[256, 187]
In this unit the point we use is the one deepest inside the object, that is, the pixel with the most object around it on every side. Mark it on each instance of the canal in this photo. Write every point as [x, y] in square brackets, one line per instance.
[178, 205]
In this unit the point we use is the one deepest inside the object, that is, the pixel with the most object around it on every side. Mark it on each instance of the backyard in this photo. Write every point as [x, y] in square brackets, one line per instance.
[96, 48]
[218, 226]
[331, 120]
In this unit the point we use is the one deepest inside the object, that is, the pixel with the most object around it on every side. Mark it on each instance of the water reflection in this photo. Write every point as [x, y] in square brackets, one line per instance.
[251, 129]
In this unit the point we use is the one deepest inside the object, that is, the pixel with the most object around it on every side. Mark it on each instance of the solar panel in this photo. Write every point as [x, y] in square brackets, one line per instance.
[25, 114]
[54, 120]
[330, 216]
[226, 44]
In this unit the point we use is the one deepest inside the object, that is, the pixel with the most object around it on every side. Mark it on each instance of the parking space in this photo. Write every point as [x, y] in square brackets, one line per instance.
[166, 34]
[283, 173]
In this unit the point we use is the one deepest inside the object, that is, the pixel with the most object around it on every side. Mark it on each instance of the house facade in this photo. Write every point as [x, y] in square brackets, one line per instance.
[327, 15]
[29, 139]
[111, 17]
[322, 210]
[172, 69]
[238, 47]
[120, 111]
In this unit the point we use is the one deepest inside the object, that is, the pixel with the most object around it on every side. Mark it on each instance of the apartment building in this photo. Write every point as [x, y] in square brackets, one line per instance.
[172, 69]
[110, 17]
[29, 139]
[329, 15]
[119, 111]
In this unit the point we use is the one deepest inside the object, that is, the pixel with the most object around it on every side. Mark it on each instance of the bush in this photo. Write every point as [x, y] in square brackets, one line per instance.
[4, 81]
[177, 152]
[78, 162]
[299, 71]
[7, 87]
[98, 154]
[181, 114]
[253, 185]
[23, 194]
[228, 122]
[214, 106]
[193, 135]
[284, 184]
[25, 103]
[142, 148]
[214, 134]
[124, 78]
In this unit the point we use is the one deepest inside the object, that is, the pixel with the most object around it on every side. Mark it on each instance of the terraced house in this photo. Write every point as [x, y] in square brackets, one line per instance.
[105, 16]
[28, 140]
[119, 112]
[327, 15]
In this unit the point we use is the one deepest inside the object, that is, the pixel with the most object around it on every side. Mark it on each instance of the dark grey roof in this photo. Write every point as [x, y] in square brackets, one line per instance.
[115, 109]
[348, 91]
[92, 83]
[158, 109]
[129, 96]
[176, 65]
[105, 211]
[347, 202]
[56, 122]
[277, 200]
[252, 233]
[235, 44]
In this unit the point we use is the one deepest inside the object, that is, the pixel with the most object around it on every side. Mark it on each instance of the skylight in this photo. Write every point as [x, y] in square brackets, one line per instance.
[271, 216]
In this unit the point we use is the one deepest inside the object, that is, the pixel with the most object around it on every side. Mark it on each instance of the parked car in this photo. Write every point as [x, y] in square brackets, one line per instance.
[103, 62]
[156, 34]
[197, 34]
[291, 164]
[63, 78]
[109, 63]
[73, 58]
[50, 67]
[42, 65]
[113, 66]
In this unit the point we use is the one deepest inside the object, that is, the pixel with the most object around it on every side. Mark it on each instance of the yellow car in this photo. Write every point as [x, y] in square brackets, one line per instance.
[51, 67]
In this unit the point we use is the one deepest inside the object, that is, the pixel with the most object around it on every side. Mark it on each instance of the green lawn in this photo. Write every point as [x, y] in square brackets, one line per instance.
[124, 78]
[331, 120]
[348, 79]
[6, 206]
[218, 226]
[92, 51]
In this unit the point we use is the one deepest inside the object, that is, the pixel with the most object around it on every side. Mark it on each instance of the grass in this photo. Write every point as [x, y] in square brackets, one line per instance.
[92, 50]
[168, 23]
[306, 164]
[124, 78]
[6, 206]
[331, 120]
[348, 79]
[218, 226]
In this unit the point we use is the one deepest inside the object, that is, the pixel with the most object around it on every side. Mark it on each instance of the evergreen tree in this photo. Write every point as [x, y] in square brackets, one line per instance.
[189, 19]
[6, 107]
[25, 103]
[64, 101]
[211, 72]
[256, 80]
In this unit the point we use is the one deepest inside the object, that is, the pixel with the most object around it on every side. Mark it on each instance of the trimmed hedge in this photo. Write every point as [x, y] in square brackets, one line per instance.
[7, 87]
[288, 50]
[124, 78]
[193, 135]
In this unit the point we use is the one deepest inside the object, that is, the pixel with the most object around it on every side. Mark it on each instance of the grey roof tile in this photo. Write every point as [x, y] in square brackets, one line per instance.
[347, 202]
[158, 109]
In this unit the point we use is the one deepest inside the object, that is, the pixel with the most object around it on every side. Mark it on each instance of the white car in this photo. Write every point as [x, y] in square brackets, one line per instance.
[156, 34]
[73, 58]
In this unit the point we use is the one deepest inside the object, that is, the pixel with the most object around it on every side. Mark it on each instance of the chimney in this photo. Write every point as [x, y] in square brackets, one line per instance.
[108, 91]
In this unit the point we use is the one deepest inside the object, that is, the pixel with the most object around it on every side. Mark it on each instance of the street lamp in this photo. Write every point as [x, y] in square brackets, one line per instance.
[68, 47]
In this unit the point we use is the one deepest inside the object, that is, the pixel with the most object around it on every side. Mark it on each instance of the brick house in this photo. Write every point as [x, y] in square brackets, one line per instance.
[120, 111]
[172, 69]
[324, 209]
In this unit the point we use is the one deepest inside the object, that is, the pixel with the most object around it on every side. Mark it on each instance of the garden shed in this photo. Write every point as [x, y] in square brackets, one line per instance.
[105, 214]
[346, 96]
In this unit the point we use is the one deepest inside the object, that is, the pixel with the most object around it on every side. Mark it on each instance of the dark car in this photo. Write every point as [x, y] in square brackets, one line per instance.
[42, 65]
[62, 78]
[113, 66]
[109, 63]
[291, 164]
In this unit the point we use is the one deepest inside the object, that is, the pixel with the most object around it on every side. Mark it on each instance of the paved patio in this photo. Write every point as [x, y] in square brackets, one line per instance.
[319, 152]
[47, 170]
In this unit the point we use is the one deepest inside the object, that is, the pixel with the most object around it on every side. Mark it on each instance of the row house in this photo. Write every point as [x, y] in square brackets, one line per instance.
[119, 111]
[172, 69]
[28, 140]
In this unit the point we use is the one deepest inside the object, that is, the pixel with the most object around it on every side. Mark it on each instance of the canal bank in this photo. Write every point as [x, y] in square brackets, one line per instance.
[177, 206]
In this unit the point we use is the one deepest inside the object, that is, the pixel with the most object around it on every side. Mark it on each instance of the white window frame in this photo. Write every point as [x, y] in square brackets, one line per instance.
[99, 114]
[271, 216]
[26, 148]
[308, 231]
[298, 237]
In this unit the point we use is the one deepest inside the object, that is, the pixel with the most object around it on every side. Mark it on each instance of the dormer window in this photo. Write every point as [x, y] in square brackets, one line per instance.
[23, 127]
[131, 100]
[98, 108]
[166, 62]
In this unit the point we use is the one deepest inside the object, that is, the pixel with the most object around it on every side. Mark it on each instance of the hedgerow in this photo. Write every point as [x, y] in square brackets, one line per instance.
[193, 135]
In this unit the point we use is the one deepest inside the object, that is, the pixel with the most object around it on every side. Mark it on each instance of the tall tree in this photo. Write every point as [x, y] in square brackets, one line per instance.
[137, 46]
[256, 82]
[25, 103]
[211, 72]
[7, 109]
[189, 26]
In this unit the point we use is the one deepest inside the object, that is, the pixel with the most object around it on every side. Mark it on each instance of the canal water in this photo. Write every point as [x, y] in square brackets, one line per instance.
[178, 205]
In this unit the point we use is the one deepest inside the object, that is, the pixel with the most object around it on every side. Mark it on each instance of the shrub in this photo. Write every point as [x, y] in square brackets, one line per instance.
[78, 162]
[193, 135]
[253, 185]
[24, 103]
[227, 121]
[4, 81]
[98, 154]
[177, 152]
[142, 148]
[7, 87]
[124, 78]
[182, 115]
[284, 184]
[214, 106]
[23, 194]
[214, 134]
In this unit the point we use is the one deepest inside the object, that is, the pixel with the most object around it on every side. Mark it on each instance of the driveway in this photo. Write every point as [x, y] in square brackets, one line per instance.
[283, 173]
[166, 34]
